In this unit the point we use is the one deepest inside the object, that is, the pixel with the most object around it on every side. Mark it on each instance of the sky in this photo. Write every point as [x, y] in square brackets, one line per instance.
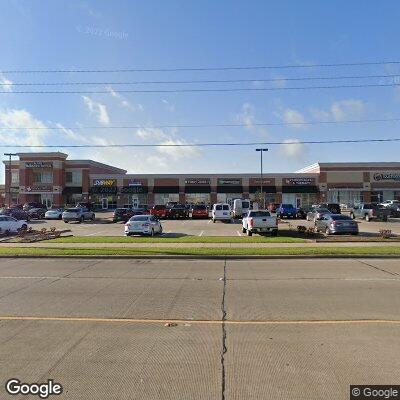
[93, 35]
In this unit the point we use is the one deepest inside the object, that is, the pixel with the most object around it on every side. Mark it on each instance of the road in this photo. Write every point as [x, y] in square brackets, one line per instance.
[197, 227]
[293, 329]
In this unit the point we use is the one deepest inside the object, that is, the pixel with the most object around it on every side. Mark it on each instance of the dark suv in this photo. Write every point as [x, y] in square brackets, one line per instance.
[334, 208]
[122, 214]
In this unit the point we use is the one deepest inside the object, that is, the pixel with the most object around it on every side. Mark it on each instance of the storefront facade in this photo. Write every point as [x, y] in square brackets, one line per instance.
[52, 179]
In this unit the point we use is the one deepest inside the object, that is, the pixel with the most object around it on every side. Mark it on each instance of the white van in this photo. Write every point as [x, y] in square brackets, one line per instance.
[240, 208]
[221, 212]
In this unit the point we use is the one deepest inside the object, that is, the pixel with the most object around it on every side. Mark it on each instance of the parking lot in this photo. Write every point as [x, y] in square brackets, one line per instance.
[103, 226]
[259, 329]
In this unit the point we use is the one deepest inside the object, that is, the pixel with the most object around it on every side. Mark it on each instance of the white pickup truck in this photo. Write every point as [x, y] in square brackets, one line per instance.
[260, 222]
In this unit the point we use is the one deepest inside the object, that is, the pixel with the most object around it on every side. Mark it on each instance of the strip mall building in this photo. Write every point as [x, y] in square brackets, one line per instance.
[52, 179]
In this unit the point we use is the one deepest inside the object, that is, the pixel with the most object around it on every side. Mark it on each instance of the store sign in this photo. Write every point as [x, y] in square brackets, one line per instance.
[38, 164]
[298, 181]
[103, 190]
[387, 176]
[134, 183]
[265, 181]
[39, 188]
[197, 181]
[105, 182]
[133, 189]
[234, 181]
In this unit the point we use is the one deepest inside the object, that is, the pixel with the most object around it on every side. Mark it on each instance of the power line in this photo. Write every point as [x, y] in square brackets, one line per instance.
[208, 144]
[310, 78]
[199, 90]
[60, 128]
[229, 68]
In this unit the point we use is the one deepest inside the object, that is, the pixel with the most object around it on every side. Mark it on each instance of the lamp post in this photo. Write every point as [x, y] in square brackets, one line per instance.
[261, 150]
[9, 168]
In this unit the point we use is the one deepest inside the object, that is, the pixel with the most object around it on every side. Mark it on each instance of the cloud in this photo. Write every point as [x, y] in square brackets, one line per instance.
[18, 120]
[5, 84]
[176, 152]
[248, 119]
[294, 118]
[293, 148]
[123, 102]
[349, 109]
[99, 110]
[169, 106]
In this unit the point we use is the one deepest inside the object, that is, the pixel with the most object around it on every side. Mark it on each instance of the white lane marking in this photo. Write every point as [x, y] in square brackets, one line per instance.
[209, 221]
[93, 234]
[238, 233]
[201, 233]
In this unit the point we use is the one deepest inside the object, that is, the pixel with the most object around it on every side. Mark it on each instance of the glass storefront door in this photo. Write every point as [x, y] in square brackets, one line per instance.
[104, 203]
[46, 199]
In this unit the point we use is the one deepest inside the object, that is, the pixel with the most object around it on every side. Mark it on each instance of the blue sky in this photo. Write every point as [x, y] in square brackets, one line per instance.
[174, 34]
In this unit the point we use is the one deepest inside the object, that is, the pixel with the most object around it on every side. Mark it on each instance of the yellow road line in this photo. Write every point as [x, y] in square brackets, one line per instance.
[200, 322]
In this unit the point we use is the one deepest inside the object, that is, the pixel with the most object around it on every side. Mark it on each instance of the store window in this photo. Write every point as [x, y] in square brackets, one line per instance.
[164, 198]
[43, 177]
[73, 177]
[346, 197]
[15, 177]
[198, 198]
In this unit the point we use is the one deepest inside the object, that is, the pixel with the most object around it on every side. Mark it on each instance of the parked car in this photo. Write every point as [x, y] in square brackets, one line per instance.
[336, 223]
[54, 213]
[16, 213]
[28, 206]
[78, 214]
[122, 214]
[334, 208]
[240, 208]
[369, 211]
[199, 211]
[390, 203]
[159, 211]
[316, 213]
[143, 225]
[141, 210]
[221, 212]
[286, 210]
[302, 212]
[89, 206]
[37, 213]
[394, 210]
[259, 222]
[10, 224]
[178, 211]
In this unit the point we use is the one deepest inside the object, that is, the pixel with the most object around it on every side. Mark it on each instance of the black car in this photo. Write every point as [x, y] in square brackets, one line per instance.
[29, 206]
[178, 211]
[334, 208]
[37, 213]
[122, 214]
[16, 213]
[89, 206]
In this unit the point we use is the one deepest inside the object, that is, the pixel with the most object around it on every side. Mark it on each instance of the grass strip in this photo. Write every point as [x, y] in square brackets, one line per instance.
[181, 239]
[193, 251]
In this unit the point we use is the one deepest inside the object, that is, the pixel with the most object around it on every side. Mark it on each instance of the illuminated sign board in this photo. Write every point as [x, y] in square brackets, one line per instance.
[197, 181]
[228, 181]
[298, 181]
[387, 176]
[38, 164]
[105, 182]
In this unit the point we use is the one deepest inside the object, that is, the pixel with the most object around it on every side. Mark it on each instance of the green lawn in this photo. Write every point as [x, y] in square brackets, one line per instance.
[181, 239]
[193, 251]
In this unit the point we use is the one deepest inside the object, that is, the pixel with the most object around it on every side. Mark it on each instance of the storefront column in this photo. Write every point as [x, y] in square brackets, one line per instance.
[57, 200]
[213, 198]
[366, 197]
[278, 198]
[181, 198]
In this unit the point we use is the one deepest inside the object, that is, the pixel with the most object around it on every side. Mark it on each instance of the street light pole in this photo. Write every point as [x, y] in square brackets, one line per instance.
[9, 168]
[261, 150]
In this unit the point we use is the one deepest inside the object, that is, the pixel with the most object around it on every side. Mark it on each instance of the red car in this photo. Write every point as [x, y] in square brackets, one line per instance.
[159, 211]
[199, 211]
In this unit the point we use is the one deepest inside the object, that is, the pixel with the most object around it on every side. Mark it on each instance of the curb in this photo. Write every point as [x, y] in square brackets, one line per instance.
[206, 257]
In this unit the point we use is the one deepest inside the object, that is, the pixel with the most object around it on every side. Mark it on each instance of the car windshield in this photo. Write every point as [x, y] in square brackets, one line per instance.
[140, 218]
[199, 207]
[322, 210]
[245, 204]
[225, 207]
[218, 207]
[159, 207]
[287, 206]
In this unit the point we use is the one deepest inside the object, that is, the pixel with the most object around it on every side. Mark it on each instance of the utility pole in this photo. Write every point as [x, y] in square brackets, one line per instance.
[261, 150]
[9, 168]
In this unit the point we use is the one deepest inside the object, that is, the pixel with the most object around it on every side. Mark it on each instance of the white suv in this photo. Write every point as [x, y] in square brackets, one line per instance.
[221, 212]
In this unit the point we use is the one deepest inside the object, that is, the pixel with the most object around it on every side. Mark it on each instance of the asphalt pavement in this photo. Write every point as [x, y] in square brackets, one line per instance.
[259, 329]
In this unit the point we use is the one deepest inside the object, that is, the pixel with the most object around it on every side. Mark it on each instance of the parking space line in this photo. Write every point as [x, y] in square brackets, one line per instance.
[201, 233]
[209, 221]
[238, 233]
[92, 234]
[202, 322]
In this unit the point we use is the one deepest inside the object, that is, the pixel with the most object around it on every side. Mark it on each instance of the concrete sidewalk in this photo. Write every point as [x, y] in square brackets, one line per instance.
[49, 244]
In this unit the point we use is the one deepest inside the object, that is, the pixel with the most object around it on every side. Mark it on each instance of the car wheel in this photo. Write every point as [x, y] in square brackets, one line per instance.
[384, 219]
[60, 216]
[160, 231]
[274, 232]
[24, 227]
[213, 221]
[244, 230]
[152, 233]
[354, 233]
[66, 222]
[93, 218]
[249, 232]
[327, 232]
[367, 218]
